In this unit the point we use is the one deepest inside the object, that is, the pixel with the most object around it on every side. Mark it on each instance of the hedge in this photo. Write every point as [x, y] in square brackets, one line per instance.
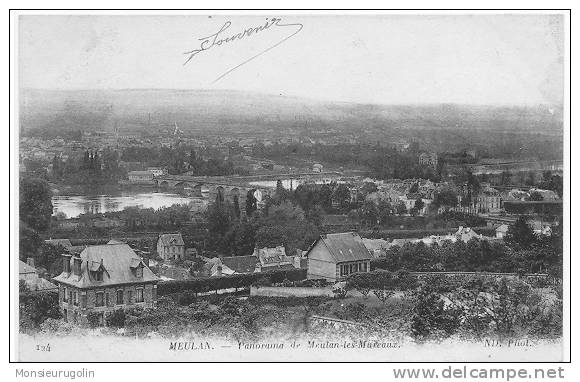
[380, 279]
[207, 284]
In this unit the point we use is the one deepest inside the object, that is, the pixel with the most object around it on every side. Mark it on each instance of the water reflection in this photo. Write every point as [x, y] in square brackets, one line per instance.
[73, 206]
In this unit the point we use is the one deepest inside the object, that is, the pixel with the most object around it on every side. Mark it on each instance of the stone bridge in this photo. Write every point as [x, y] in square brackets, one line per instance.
[212, 187]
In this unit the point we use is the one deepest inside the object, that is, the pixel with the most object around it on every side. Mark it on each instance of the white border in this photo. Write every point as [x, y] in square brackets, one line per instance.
[263, 372]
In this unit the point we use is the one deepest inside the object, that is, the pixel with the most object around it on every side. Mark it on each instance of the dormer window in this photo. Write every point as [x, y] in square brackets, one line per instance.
[97, 275]
[97, 269]
[137, 267]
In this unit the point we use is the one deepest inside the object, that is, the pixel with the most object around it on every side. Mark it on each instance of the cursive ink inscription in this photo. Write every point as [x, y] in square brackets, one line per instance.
[222, 38]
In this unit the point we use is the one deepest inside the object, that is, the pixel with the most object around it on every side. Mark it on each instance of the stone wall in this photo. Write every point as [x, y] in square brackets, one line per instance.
[290, 291]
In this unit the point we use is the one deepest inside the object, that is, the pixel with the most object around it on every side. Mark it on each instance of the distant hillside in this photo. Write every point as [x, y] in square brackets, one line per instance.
[215, 112]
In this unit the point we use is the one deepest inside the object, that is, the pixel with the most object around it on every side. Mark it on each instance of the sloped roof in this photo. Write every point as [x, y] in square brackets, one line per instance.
[374, 244]
[117, 260]
[347, 246]
[40, 285]
[272, 256]
[241, 264]
[502, 228]
[279, 267]
[25, 268]
[171, 239]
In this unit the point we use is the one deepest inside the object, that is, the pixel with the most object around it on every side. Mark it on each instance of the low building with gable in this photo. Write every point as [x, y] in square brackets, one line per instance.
[335, 256]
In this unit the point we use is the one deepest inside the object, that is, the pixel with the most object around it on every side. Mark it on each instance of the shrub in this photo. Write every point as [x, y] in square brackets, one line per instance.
[93, 319]
[312, 283]
[116, 319]
[55, 325]
[37, 307]
[383, 295]
[231, 306]
[431, 318]
[186, 298]
[339, 292]
[263, 281]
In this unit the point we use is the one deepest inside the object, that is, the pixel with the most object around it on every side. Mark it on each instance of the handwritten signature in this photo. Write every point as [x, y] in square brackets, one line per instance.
[218, 39]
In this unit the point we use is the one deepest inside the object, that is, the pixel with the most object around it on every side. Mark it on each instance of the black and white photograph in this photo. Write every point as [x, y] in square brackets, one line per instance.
[290, 186]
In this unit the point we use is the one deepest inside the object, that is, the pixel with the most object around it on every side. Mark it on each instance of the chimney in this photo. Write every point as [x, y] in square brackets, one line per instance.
[66, 262]
[77, 261]
[219, 270]
[30, 261]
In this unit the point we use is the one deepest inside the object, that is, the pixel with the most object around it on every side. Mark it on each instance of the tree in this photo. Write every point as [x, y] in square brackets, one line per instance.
[446, 198]
[520, 234]
[326, 197]
[35, 203]
[362, 282]
[29, 242]
[383, 294]
[368, 213]
[251, 203]
[430, 315]
[385, 211]
[401, 208]
[288, 222]
[270, 237]
[36, 307]
[369, 188]
[419, 204]
[341, 196]
[218, 219]
[535, 196]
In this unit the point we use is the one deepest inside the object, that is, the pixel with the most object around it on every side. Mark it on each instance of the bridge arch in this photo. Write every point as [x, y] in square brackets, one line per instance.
[197, 190]
[183, 185]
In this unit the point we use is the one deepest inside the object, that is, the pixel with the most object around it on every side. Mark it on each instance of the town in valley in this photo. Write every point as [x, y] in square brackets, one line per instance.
[197, 214]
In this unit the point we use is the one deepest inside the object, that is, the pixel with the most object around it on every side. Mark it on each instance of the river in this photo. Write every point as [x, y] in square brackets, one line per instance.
[74, 205]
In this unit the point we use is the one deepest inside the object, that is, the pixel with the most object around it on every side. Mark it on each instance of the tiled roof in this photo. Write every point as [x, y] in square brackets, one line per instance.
[171, 239]
[279, 267]
[40, 285]
[117, 260]
[502, 228]
[241, 264]
[347, 246]
[25, 268]
[272, 256]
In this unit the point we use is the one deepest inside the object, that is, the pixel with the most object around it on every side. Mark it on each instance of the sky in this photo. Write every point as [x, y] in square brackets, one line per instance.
[382, 59]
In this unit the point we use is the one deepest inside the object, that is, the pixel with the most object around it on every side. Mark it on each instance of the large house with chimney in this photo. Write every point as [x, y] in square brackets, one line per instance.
[104, 278]
[336, 256]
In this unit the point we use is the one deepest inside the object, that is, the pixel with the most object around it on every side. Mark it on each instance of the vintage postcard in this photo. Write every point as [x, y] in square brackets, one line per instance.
[291, 186]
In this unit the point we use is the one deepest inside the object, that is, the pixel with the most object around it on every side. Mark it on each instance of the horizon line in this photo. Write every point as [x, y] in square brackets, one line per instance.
[560, 105]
